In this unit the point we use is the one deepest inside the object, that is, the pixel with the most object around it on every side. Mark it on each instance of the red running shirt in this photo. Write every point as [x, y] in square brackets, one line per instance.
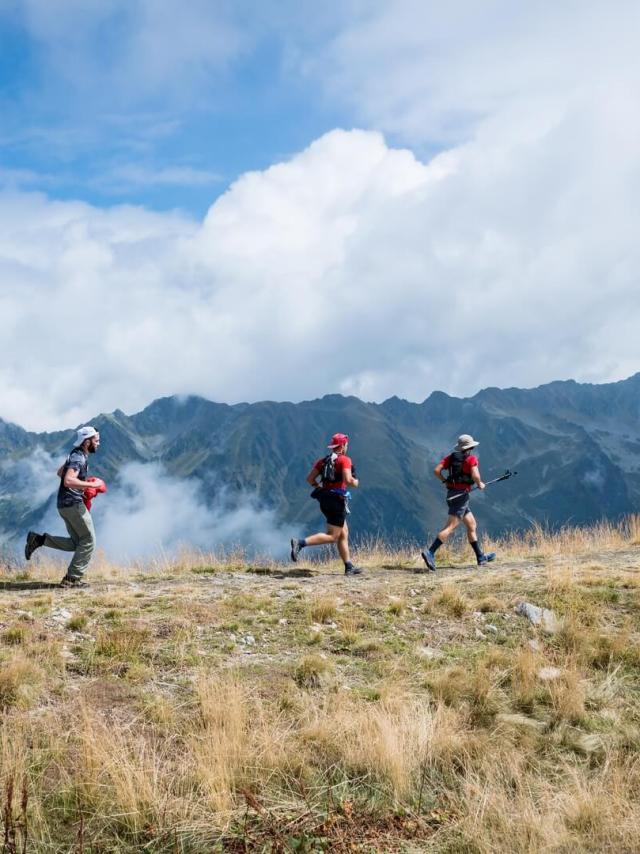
[467, 464]
[342, 462]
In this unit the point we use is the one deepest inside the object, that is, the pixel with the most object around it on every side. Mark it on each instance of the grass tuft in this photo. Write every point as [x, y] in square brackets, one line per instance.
[451, 601]
[14, 635]
[323, 609]
[312, 671]
[21, 683]
[77, 623]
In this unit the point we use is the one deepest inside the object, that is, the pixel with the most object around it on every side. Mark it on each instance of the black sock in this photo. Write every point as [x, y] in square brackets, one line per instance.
[435, 545]
[302, 543]
[476, 547]
[348, 564]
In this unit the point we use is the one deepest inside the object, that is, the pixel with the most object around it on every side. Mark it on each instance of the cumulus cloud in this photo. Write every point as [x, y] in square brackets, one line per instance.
[509, 257]
[354, 267]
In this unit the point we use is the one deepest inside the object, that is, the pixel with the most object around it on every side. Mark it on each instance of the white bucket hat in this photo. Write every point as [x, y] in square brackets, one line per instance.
[466, 442]
[84, 433]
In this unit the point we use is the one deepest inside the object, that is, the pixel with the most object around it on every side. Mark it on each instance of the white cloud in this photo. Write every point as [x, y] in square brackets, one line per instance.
[32, 474]
[152, 513]
[509, 258]
[353, 267]
[434, 72]
[182, 176]
[16, 178]
[126, 50]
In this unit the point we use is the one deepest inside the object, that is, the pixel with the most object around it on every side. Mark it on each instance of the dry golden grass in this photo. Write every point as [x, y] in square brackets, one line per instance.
[450, 600]
[312, 671]
[182, 710]
[537, 543]
[21, 683]
[396, 605]
[323, 609]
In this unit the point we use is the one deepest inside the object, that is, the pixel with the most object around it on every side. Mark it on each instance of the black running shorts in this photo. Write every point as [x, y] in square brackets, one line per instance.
[458, 506]
[334, 509]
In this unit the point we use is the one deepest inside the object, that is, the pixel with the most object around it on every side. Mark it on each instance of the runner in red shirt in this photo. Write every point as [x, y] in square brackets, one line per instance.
[463, 470]
[330, 476]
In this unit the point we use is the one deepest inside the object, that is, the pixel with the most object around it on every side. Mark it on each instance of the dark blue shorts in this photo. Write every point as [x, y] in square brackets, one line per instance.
[458, 506]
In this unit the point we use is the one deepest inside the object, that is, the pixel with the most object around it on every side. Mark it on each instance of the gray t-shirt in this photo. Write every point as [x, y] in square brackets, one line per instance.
[79, 461]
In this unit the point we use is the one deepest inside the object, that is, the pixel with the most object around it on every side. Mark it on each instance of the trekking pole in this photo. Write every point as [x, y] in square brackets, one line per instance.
[504, 476]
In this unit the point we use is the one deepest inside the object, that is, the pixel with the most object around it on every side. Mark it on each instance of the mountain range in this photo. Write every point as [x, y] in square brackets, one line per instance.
[575, 447]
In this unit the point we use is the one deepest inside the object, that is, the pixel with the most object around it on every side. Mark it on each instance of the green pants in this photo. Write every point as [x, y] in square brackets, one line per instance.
[81, 540]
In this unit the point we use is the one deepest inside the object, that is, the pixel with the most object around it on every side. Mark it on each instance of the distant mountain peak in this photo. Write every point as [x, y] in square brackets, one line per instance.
[556, 435]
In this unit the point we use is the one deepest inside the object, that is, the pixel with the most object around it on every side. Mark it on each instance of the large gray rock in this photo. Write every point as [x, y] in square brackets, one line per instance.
[542, 617]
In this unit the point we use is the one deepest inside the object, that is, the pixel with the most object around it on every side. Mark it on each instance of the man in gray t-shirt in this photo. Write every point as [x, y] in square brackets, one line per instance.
[78, 462]
[77, 519]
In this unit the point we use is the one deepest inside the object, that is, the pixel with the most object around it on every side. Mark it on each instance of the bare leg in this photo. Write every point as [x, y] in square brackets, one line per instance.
[472, 536]
[324, 539]
[335, 534]
[449, 528]
[343, 542]
[472, 527]
[428, 555]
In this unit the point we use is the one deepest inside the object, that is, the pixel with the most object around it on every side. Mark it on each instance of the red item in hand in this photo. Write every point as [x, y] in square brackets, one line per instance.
[97, 485]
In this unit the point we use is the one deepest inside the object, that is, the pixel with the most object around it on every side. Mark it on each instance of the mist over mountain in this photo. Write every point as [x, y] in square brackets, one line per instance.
[575, 447]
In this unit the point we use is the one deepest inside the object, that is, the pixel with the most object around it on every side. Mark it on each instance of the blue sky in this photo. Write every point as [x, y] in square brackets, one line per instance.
[204, 188]
[174, 137]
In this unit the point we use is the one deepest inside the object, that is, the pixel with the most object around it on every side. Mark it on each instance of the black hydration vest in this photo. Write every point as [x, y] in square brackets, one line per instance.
[456, 475]
[328, 470]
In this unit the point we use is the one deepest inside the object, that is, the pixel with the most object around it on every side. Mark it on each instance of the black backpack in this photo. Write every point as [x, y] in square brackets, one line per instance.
[456, 475]
[328, 469]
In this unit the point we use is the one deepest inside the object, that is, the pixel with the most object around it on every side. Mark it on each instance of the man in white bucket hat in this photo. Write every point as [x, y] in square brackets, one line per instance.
[77, 519]
[463, 474]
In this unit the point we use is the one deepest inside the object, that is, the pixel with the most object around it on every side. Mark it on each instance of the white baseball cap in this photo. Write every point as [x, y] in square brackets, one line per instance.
[86, 432]
[466, 442]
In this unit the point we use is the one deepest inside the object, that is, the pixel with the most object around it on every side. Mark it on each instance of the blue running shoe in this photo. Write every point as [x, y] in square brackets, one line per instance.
[429, 558]
[486, 558]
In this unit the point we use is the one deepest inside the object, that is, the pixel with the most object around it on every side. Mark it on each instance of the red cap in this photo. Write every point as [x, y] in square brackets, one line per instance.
[337, 440]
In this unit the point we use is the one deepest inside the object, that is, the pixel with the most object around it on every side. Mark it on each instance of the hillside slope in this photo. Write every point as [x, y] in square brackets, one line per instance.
[574, 445]
[212, 706]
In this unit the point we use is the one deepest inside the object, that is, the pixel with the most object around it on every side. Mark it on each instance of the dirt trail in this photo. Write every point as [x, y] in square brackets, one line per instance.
[324, 579]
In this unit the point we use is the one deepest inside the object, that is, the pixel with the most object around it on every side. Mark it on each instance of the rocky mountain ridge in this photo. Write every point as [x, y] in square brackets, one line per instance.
[575, 447]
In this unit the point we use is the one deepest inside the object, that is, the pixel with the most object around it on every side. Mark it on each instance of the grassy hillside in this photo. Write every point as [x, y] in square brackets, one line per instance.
[204, 704]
